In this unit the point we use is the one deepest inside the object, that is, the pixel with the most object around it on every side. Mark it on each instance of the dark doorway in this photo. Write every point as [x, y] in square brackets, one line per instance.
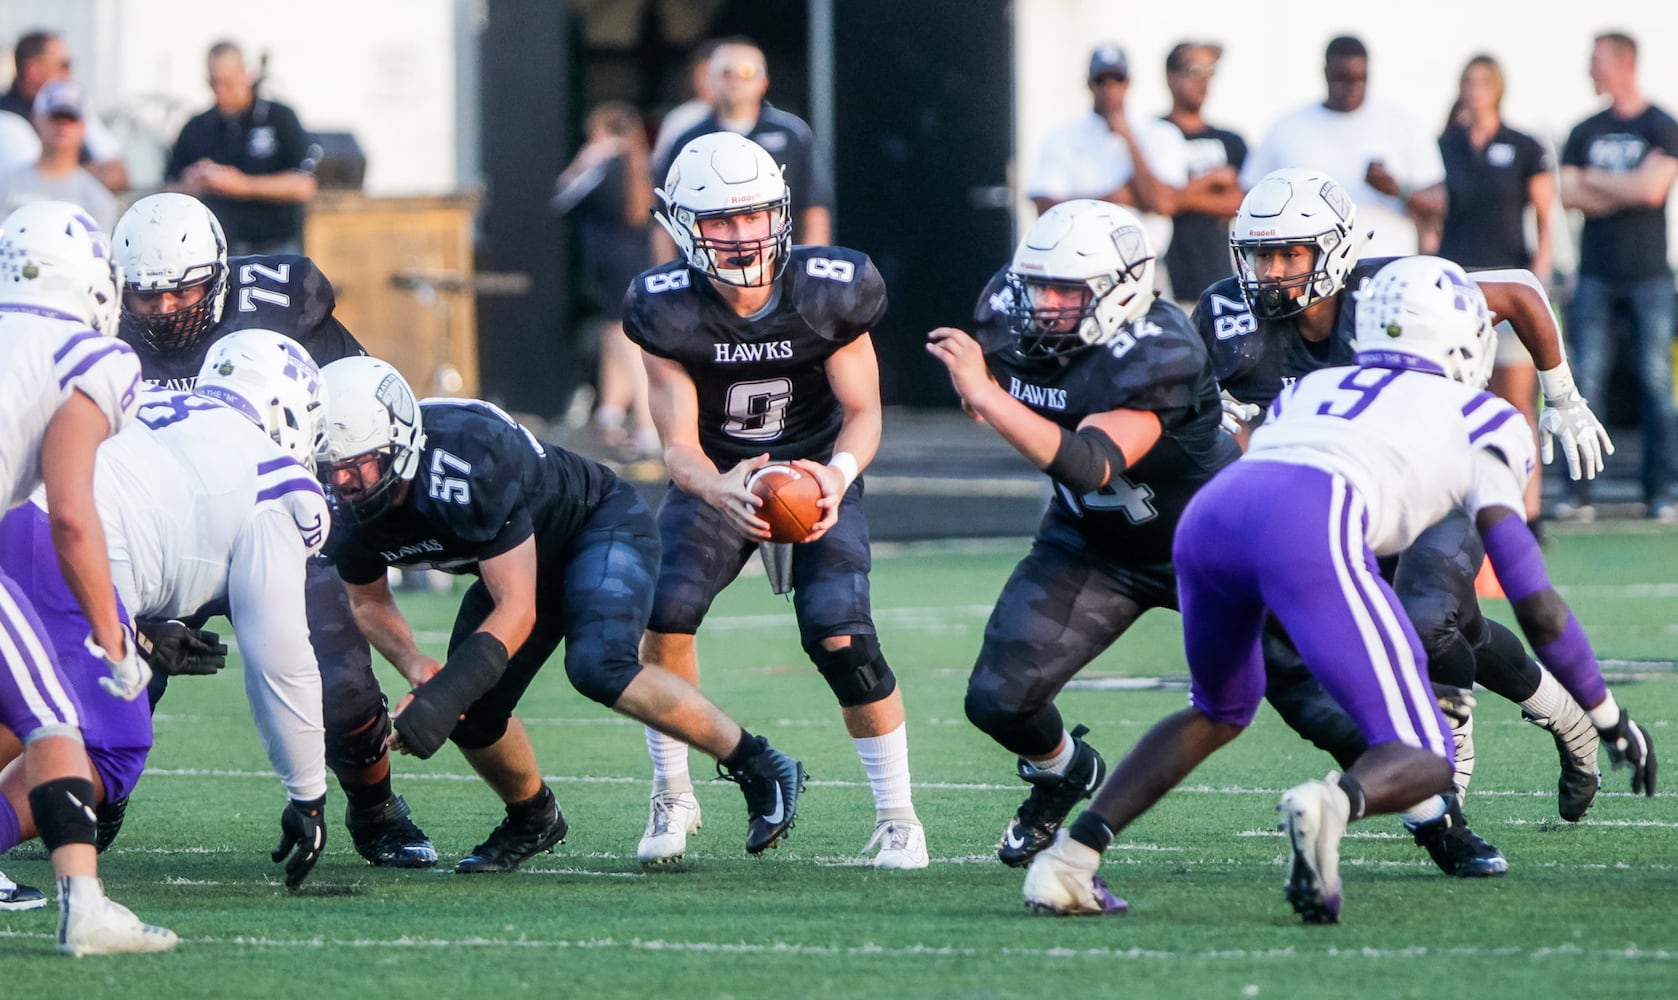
[924, 115]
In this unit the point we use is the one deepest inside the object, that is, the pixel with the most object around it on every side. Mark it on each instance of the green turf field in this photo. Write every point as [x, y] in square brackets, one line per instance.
[1587, 909]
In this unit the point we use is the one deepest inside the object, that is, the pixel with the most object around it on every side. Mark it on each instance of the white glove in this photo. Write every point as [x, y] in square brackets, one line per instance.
[129, 673]
[1584, 441]
[1237, 415]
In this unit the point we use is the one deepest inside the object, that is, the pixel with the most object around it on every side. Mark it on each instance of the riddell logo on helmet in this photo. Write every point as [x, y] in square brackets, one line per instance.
[1261, 232]
[741, 199]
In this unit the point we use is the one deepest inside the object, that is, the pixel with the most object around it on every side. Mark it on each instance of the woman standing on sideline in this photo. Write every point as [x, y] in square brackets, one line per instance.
[604, 191]
[1492, 173]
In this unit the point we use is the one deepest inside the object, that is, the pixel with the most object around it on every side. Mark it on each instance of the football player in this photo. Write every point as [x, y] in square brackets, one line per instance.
[1287, 311]
[1353, 462]
[68, 386]
[757, 350]
[1108, 390]
[204, 500]
[182, 294]
[563, 550]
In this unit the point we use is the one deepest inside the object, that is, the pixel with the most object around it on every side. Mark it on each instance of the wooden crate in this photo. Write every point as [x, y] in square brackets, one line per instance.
[402, 270]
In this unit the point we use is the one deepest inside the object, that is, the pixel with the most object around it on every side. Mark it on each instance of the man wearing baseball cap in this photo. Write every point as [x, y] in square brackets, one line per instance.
[60, 119]
[1107, 153]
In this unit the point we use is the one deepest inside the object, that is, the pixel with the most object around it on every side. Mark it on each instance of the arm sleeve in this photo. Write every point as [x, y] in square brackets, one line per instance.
[282, 679]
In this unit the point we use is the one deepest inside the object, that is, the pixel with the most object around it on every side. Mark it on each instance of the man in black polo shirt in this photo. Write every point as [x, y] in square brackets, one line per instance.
[1198, 255]
[739, 79]
[247, 158]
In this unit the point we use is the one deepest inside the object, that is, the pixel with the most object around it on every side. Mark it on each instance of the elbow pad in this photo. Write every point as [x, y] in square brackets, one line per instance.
[1085, 461]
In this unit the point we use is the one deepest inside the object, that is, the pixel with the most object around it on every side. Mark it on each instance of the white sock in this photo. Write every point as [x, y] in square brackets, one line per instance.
[1548, 699]
[1062, 760]
[670, 762]
[1423, 812]
[886, 759]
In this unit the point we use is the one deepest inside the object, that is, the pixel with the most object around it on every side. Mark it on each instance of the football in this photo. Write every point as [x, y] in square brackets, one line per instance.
[789, 500]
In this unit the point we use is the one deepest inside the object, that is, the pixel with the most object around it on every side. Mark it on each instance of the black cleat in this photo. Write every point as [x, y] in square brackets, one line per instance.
[515, 840]
[1455, 848]
[771, 782]
[386, 837]
[1576, 744]
[14, 896]
[1052, 797]
[107, 822]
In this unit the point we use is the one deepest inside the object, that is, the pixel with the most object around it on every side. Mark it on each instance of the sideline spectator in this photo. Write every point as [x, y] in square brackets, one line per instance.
[1198, 256]
[604, 192]
[1110, 155]
[247, 158]
[1617, 168]
[1492, 173]
[1388, 164]
[38, 58]
[60, 120]
[739, 79]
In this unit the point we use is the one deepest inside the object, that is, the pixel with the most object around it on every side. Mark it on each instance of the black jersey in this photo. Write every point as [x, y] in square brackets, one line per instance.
[761, 380]
[1155, 364]
[484, 485]
[282, 293]
[1256, 359]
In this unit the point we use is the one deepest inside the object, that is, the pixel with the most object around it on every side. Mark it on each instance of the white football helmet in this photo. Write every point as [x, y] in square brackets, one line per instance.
[1295, 206]
[54, 256]
[720, 175]
[271, 379]
[168, 243]
[1083, 270]
[1426, 308]
[373, 437]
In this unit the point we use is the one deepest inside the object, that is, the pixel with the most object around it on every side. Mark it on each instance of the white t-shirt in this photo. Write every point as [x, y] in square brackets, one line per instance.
[1414, 445]
[1084, 159]
[1342, 144]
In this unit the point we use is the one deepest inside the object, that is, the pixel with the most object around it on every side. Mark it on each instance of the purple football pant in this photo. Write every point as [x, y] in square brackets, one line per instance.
[117, 733]
[1289, 540]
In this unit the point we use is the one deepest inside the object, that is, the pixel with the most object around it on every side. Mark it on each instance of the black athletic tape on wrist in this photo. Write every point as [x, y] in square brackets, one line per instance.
[472, 670]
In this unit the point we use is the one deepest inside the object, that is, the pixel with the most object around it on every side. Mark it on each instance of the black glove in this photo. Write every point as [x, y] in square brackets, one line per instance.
[302, 827]
[1628, 744]
[174, 648]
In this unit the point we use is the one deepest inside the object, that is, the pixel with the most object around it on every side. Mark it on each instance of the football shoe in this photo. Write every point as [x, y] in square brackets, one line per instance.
[902, 844]
[1455, 848]
[674, 816]
[89, 923]
[1062, 881]
[386, 837]
[517, 838]
[771, 782]
[1576, 744]
[1052, 797]
[1314, 819]
[19, 897]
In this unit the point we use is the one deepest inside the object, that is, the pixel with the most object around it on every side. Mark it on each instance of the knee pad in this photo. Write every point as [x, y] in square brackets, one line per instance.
[358, 744]
[1027, 731]
[476, 733]
[63, 812]
[602, 680]
[858, 673]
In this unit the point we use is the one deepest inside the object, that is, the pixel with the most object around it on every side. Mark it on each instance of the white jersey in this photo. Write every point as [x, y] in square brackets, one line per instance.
[1415, 445]
[199, 504]
[45, 356]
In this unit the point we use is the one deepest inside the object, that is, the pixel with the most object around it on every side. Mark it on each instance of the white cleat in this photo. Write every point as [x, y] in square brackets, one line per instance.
[1062, 881]
[1314, 819]
[103, 926]
[674, 815]
[902, 844]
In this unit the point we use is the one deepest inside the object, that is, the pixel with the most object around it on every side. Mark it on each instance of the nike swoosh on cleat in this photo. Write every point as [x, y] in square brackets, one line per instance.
[780, 808]
[1014, 842]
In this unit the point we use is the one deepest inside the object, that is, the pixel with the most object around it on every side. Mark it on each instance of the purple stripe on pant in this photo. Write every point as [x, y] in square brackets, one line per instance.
[29, 562]
[1269, 537]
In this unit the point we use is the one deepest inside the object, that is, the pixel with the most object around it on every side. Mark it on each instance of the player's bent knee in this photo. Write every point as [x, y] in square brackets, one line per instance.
[474, 733]
[858, 673]
[357, 741]
[602, 680]
[63, 811]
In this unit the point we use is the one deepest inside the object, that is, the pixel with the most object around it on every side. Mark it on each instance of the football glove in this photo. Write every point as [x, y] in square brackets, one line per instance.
[1457, 703]
[1237, 415]
[303, 827]
[173, 648]
[129, 673]
[1628, 745]
[1567, 417]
